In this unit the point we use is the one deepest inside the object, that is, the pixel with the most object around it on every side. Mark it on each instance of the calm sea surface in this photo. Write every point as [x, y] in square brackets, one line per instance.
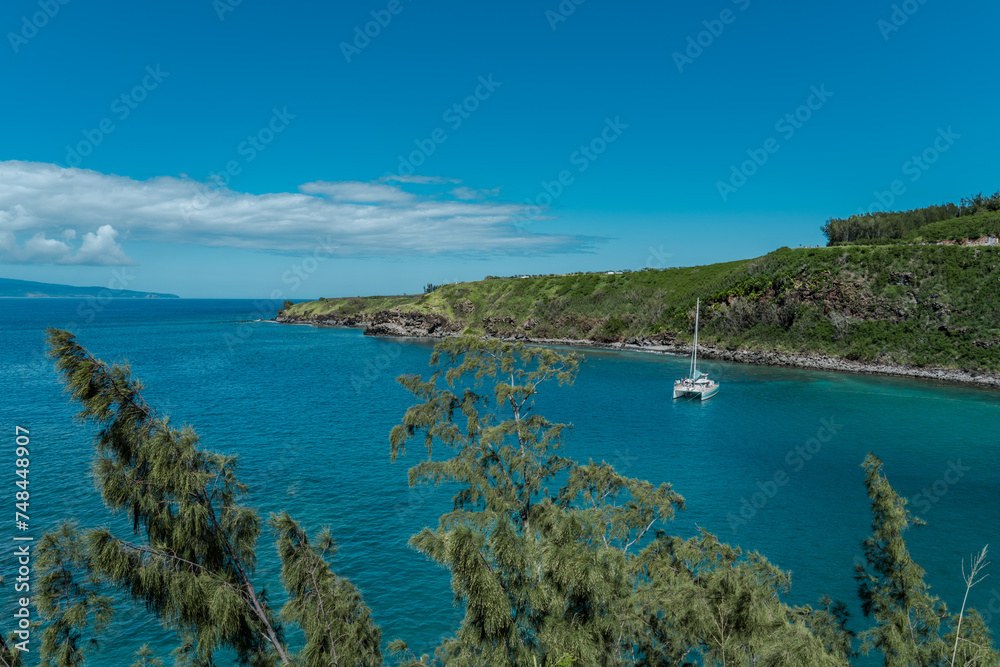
[772, 463]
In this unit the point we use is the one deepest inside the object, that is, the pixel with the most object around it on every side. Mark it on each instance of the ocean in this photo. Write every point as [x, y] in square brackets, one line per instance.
[772, 463]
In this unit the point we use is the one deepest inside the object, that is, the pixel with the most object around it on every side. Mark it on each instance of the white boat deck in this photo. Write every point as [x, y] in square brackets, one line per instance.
[698, 384]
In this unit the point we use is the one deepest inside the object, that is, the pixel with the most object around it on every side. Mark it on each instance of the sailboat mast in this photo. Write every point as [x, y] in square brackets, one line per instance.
[694, 350]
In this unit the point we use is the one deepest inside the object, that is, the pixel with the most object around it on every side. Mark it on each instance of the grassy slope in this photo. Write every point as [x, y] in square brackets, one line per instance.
[962, 228]
[913, 304]
[955, 229]
[571, 306]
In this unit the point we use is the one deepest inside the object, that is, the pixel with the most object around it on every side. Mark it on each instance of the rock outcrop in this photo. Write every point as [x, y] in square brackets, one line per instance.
[383, 323]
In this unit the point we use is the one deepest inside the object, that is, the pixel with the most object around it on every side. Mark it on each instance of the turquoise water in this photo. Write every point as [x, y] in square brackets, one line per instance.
[771, 463]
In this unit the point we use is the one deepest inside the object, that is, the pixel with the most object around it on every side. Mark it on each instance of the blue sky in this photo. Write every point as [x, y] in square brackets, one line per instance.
[215, 149]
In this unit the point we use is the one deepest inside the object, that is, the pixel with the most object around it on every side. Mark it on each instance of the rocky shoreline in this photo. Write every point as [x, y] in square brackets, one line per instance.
[422, 325]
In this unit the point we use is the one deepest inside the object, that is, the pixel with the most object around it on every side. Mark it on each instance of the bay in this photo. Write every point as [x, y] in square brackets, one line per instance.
[772, 463]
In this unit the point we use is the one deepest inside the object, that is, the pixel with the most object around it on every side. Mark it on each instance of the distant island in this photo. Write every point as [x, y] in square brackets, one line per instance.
[913, 293]
[33, 290]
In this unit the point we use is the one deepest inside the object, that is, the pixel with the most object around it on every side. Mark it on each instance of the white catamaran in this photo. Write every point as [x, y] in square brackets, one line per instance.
[697, 385]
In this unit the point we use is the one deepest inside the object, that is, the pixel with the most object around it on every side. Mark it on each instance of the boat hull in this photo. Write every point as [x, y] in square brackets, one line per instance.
[699, 393]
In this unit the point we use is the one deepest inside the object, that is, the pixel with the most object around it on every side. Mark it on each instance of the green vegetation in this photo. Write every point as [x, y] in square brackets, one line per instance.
[586, 570]
[920, 305]
[891, 585]
[31, 289]
[966, 227]
[571, 306]
[583, 574]
[191, 556]
[346, 307]
[882, 226]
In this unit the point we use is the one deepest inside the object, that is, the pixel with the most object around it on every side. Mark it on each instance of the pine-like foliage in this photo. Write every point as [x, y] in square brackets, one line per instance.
[584, 573]
[713, 603]
[193, 557]
[68, 597]
[192, 554]
[973, 645]
[337, 624]
[144, 657]
[9, 656]
[829, 623]
[891, 586]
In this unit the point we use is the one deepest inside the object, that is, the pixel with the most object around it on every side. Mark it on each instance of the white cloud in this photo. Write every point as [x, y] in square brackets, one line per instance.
[358, 192]
[98, 249]
[421, 180]
[345, 218]
[101, 248]
[470, 194]
[40, 250]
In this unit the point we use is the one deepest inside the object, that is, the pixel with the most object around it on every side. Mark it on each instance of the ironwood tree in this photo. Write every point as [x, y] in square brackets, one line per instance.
[555, 562]
[908, 618]
[584, 570]
[192, 552]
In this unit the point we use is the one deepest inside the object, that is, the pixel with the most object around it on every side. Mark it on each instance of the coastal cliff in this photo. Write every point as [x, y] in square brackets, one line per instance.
[415, 325]
[920, 309]
[382, 323]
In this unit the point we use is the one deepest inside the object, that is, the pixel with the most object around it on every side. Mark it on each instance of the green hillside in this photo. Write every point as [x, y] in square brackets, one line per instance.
[916, 303]
[972, 226]
[28, 288]
[880, 227]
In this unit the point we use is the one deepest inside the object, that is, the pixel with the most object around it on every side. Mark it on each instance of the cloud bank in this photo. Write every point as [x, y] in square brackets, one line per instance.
[44, 207]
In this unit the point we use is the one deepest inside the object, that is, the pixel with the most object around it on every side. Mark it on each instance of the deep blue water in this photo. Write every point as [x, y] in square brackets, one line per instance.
[772, 463]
